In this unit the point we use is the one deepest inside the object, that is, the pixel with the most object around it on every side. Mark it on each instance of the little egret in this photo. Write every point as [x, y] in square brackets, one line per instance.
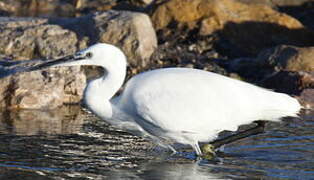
[179, 105]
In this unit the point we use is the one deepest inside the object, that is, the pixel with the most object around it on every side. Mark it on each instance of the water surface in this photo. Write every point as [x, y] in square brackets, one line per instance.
[71, 143]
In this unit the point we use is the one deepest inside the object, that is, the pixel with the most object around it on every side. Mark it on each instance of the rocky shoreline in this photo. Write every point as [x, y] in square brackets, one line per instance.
[269, 43]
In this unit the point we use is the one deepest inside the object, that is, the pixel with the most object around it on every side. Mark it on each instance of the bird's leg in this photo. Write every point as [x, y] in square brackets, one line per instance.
[210, 148]
[197, 149]
[172, 149]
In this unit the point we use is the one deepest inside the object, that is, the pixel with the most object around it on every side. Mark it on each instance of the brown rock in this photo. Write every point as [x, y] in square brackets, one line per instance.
[290, 82]
[46, 8]
[307, 98]
[288, 58]
[249, 27]
[216, 13]
[274, 3]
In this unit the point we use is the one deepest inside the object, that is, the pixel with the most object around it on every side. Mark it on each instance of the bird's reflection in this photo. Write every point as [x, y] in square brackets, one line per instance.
[169, 170]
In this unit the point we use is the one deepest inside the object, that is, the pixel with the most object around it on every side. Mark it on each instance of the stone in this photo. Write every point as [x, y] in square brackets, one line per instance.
[51, 8]
[276, 3]
[26, 38]
[133, 32]
[288, 58]
[130, 31]
[46, 89]
[299, 84]
[306, 98]
[289, 82]
[248, 27]
[290, 2]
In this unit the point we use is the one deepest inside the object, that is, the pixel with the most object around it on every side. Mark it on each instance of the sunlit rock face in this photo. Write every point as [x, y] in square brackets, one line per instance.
[248, 27]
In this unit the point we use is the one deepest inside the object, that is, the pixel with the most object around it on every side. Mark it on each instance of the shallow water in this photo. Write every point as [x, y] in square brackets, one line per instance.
[71, 143]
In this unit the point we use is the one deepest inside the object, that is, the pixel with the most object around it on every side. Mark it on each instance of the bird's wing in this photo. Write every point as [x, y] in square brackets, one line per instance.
[193, 101]
[182, 100]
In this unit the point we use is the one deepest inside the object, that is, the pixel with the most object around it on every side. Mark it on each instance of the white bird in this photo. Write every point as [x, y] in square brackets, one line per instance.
[180, 105]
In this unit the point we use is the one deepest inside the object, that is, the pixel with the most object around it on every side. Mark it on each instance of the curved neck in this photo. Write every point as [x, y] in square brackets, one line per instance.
[98, 92]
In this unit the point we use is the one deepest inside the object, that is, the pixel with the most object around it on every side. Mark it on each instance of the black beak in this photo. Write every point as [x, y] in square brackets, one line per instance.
[10, 68]
[54, 62]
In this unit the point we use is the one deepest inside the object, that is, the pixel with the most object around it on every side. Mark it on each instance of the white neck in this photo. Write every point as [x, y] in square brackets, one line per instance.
[98, 92]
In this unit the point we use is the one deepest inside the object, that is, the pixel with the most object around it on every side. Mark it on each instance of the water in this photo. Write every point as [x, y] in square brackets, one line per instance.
[70, 143]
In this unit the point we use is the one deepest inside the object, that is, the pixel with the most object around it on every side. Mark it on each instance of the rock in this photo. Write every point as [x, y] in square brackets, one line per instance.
[133, 32]
[28, 38]
[307, 98]
[51, 8]
[68, 8]
[248, 27]
[288, 58]
[46, 89]
[276, 3]
[290, 2]
[273, 60]
[289, 82]
[300, 84]
[303, 11]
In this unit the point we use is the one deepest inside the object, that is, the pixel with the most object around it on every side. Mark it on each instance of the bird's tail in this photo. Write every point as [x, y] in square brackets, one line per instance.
[282, 105]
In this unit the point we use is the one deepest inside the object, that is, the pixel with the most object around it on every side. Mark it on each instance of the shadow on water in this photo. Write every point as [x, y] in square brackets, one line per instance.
[71, 143]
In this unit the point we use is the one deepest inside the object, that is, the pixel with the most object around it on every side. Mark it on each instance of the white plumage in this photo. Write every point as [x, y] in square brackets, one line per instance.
[183, 105]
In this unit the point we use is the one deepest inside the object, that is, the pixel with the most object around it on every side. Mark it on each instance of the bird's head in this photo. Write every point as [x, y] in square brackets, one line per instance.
[101, 54]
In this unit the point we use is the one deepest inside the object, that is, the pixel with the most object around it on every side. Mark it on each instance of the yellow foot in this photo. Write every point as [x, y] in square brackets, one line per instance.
[208, 151]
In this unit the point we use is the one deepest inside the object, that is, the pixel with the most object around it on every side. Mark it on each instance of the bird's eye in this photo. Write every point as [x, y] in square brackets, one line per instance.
[89, 55]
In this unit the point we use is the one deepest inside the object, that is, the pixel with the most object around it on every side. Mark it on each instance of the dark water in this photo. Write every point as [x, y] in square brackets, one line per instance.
[70, 143]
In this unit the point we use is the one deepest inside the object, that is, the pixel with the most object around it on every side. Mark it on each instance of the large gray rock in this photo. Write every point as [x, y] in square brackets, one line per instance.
[279, 58]
[27, 38]
[133, 32]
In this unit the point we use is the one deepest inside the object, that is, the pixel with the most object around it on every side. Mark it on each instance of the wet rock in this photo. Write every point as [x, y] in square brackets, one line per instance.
[63, 120]
[247, 27]
[288, 58]
[46, 89]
